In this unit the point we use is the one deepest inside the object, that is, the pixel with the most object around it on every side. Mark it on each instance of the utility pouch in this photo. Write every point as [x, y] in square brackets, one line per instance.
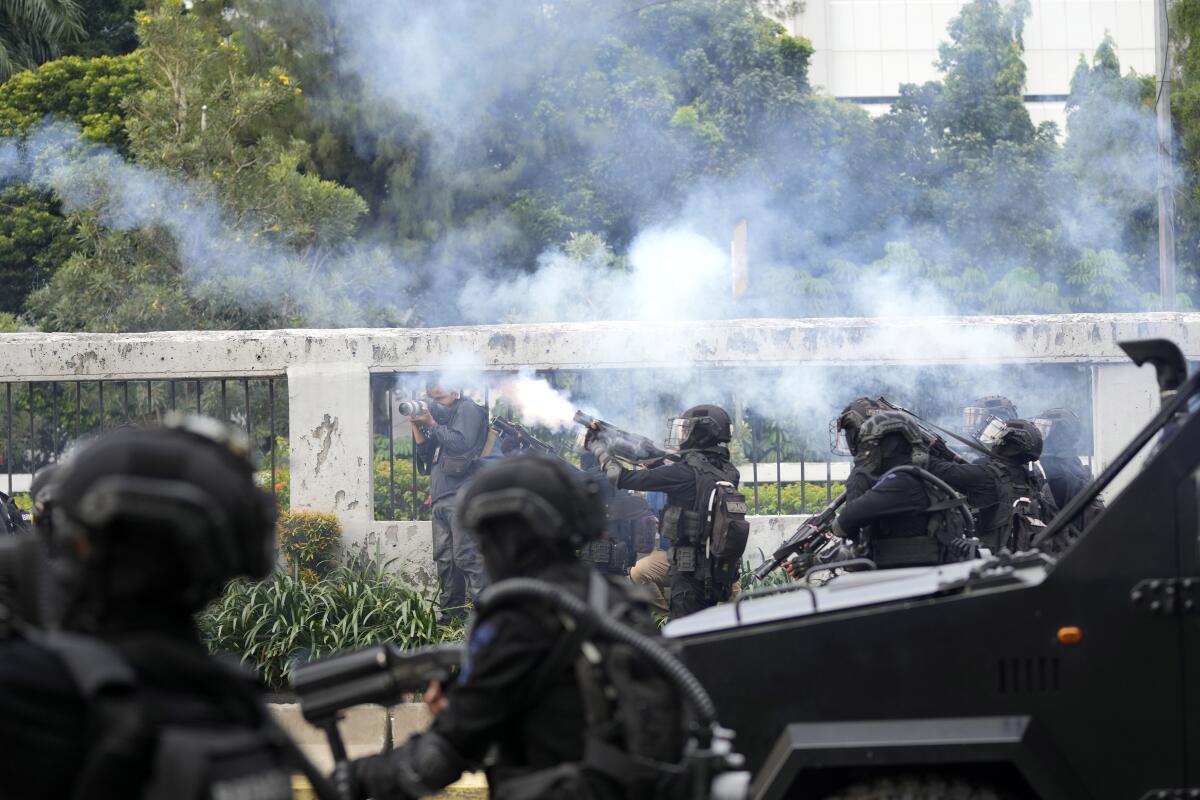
[668, 526]
[691, 527]
[683, 558]
[457, 466]
[599, 552]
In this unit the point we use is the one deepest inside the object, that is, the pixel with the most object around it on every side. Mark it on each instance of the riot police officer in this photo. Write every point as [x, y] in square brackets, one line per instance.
[701, 434]
[148, 526]
[1006, 476]
[1066, 476]
[905, 519]
[519, 695]
[844, 432]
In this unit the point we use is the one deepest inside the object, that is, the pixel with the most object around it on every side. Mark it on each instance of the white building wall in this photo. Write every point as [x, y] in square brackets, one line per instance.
[866, 48]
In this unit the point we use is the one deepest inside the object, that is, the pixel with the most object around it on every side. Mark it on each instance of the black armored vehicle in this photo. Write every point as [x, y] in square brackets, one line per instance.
[1029, 675]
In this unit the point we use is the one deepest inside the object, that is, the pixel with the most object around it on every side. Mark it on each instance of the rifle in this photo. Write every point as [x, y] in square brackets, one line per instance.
[625, 446]
[382, 674]
[524, 439]
[808, 539]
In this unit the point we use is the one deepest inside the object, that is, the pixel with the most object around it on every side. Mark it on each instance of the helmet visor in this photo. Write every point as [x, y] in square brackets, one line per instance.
[678, 431]
[1043, 425]
[990, 434]
[838, 443]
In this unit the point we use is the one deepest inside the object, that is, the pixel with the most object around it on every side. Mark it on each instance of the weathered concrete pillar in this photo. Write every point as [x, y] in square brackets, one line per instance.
[329, 413]
[1124, 398]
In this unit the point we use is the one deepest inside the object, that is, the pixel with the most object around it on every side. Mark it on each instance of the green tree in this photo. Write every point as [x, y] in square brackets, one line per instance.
[87, 91]
[985, 76]
[1110, 157]
[269, 231]
[108, 28]
[34, 240]
[35, 31]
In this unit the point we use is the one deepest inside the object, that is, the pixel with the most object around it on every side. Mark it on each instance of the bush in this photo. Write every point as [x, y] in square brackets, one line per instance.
[813, 495]
[285, 621]
[309, 542]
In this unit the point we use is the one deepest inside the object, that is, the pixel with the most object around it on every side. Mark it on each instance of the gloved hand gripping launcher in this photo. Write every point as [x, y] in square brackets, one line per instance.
[382, 674]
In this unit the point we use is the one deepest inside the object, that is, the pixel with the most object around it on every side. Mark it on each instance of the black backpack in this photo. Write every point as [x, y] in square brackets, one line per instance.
[723, 511]
[636, 725]
[1025, 507]
[196, 761]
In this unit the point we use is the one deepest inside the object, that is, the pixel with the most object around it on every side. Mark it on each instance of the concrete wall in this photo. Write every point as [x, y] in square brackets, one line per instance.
[328, 374]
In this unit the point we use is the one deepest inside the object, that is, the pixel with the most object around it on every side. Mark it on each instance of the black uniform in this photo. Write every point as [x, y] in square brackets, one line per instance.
[517, 700]
[984, 490]
[48, 734]
[893, 517]
[686, 484]
[1066, 477]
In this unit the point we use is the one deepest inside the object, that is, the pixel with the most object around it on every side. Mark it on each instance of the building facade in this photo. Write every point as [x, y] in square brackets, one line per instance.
[866, 48]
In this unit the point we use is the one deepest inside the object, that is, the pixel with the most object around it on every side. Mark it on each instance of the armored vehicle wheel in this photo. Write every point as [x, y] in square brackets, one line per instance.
[916, 787]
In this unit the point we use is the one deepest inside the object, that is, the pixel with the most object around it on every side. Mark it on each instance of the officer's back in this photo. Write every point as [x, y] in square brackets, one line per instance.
[519, 695]
[146, 527]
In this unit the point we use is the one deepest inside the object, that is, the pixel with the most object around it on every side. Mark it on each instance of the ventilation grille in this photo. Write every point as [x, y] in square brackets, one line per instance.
[1028, 675]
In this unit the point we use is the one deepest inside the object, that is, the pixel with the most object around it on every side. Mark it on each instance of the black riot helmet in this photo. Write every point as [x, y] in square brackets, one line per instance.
[887, 439]
[155, 521]
[530, 510]
[699, 427]
[1019, 440]
[843, 431]
[977, 415]
[1060, 429]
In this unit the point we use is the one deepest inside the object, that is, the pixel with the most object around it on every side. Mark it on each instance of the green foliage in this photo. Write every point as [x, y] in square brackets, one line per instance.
[88, 91]
[109, 28]
[797, 498]
[401, 473]
[309, 542]
[205, 116]
[1101, 280]
[285, 620]
[34, 240]
[34, 31]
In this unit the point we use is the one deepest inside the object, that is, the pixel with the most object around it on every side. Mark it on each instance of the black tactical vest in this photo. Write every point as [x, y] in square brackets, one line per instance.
[194, 761]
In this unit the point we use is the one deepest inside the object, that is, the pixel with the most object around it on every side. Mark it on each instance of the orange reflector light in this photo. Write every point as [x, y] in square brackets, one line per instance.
[1070, 635]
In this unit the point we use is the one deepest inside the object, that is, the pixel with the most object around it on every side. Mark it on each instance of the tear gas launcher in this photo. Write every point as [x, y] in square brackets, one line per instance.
[523, 438]
[621, 444]
[382, 674]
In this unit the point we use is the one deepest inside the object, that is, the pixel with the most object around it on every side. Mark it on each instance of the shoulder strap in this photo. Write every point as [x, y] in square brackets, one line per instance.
[117, 727]
[92, 664]
[577, 633]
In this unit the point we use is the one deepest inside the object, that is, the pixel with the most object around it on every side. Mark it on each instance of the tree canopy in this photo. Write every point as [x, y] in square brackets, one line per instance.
[256, 163]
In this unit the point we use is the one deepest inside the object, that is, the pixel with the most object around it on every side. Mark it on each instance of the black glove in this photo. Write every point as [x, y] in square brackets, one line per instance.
[964, 549]
[420, 767]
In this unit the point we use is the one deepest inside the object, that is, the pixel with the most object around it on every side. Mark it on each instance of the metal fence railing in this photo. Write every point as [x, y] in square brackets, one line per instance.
[44, 420]
[782, 470]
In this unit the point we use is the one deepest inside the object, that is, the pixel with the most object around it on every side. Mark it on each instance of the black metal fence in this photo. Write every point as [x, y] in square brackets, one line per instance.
[43, 420]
